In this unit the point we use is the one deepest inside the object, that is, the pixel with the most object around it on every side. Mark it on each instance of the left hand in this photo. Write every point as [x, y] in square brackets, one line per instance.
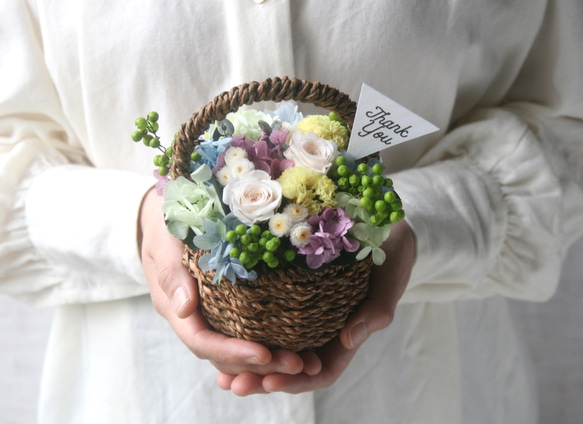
[388, 283]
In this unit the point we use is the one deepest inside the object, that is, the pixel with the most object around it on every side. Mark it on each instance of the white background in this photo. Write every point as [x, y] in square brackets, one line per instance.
[553, 332]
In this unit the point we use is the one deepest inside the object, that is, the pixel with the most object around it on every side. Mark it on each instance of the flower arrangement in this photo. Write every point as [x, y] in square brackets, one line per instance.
[274, 188]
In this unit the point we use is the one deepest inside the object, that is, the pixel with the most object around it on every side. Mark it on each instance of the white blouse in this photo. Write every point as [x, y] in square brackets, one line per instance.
[494, 197]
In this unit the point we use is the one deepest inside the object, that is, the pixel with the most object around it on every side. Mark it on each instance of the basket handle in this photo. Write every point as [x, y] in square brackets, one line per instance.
[272, 89]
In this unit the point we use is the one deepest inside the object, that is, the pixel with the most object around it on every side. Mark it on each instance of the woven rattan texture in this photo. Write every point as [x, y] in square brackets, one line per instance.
[289, 308]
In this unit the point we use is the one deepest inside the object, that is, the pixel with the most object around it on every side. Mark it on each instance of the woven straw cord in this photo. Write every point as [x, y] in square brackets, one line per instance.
[272, 89]
[289, 308]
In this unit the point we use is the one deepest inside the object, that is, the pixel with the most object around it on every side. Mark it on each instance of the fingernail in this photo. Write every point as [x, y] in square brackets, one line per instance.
[252, 360]
[358, 334]
[180, 299]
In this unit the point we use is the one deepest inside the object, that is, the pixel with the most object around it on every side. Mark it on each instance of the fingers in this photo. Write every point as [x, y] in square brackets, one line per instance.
[387, 284]
[334, 358]
[247, 383]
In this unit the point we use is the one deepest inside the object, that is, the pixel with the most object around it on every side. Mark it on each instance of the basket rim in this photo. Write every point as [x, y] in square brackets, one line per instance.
[271, 89]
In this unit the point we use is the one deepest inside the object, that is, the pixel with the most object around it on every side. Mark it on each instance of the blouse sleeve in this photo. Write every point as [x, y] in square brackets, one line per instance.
[65, 236]
[498, 202]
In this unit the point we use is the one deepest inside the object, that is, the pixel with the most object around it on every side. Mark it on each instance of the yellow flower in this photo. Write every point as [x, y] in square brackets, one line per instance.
[308, 188]
[325, 128]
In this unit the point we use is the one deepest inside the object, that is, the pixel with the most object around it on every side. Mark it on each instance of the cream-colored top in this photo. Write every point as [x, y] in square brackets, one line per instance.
[494, 197]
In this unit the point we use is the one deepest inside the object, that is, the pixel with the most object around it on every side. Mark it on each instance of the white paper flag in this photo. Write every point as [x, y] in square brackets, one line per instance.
[380, 123]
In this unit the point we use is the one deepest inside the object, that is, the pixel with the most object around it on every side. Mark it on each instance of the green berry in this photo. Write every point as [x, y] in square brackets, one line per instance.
[231, 236]
[153, 116]
[366, 181]
[163, 170]
[378, 180]
[268, 257]
[397, 205]
[388, 182]
[141, 123]
[195, 156]
[273, 264]
[354, 180]
[154, 126]
[340, 160]
[241, 229]
[289, 255]
[377, 169]
[343, 171]
[390, 196]
[169, 152]
[137, 135]
[343, 182]
[267, 235]
[363, 168]
[146, 139]
[381, 205]
[366, 202]
[246, 239]
[255, 230]
[253, 247]
[235, 252]
[370, 192]
[245, 257]
[333, 116]
[397, 216]
[155, 143]
[272, 244]
[375, 220]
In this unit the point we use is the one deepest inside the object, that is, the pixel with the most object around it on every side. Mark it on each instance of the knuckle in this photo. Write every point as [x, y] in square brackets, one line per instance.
[166, 279]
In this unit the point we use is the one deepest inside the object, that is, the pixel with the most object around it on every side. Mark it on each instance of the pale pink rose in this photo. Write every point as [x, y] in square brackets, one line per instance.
[312, 151]
[253, 197]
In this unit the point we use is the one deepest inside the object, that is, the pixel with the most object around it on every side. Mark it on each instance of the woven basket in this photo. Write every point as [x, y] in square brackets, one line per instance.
[288, 308]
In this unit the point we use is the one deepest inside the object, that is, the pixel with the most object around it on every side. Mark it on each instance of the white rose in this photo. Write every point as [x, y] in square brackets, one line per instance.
[253, 197]
[312, 151]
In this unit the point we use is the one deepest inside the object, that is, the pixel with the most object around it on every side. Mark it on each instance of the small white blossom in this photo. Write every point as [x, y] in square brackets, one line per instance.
[233, 154]
[240, 167]
[300, 234]
[224, 175]
[296, 212]
[280, 224]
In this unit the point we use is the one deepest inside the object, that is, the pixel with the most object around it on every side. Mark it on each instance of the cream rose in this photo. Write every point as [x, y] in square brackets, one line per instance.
[253, 197]
[311, 151]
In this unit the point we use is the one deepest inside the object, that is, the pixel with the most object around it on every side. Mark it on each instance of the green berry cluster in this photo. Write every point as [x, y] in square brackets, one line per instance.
[146, 131]
[253, 245]
[375, 192]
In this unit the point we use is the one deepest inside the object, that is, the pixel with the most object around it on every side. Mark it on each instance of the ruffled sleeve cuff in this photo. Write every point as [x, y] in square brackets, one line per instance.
[81, 224]
[488, 213]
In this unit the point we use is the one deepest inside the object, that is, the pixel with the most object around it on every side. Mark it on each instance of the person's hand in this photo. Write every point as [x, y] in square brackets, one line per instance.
[388, 283]
[175, 296]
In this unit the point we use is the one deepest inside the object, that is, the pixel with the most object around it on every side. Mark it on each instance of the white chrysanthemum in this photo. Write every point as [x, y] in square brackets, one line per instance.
[224, 175]
[296, 212]
[280, 224]
[300, 234]
[233, 154]
[240, 167]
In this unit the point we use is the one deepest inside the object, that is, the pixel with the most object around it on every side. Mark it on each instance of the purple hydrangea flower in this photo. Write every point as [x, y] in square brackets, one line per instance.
[329, 237]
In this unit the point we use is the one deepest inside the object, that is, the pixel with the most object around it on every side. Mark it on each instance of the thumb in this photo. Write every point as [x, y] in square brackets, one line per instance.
[172, 288]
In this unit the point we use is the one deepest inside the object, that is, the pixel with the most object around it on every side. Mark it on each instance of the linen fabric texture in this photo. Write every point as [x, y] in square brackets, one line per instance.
[494, 197]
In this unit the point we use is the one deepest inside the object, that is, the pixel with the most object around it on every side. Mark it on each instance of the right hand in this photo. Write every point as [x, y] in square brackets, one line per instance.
[174, 295]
